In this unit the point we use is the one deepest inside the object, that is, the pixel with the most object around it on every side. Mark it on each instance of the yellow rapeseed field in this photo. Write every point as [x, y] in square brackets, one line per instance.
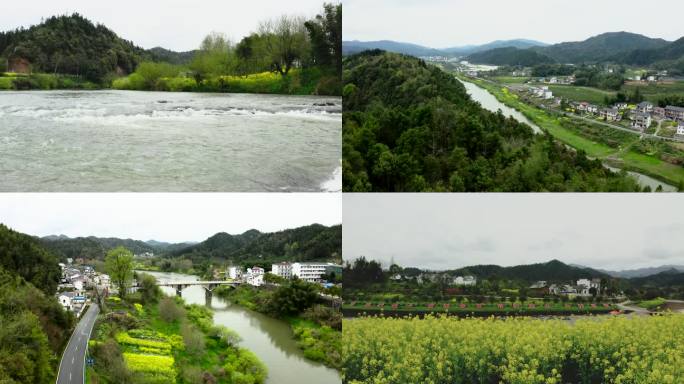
[515, 350]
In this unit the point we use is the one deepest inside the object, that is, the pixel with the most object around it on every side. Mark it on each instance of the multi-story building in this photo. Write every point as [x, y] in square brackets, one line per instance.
[465, 280]
[235, 273]
[283, 270]
[254, 276]
[645, 107]
[311, 272]
[674, 113]
[641, 121]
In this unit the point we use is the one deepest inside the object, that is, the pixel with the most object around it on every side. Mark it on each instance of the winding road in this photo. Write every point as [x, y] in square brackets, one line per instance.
[71, 368]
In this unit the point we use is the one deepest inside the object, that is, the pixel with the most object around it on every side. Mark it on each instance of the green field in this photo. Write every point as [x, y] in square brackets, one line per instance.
[653, 92]
[531, 306]
[621, 158]
[510, 79]
[591, 95]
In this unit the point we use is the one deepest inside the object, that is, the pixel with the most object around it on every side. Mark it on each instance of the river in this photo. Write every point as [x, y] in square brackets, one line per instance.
[62, 141]
[488, 101]
[270, 339]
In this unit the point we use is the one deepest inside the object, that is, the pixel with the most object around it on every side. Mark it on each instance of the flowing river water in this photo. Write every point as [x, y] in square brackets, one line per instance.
[62, 141]
[270, 339]
[489, 102]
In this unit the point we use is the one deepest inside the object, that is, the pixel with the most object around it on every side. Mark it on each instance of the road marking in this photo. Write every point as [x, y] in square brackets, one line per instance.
[70, 377]
[72, 359]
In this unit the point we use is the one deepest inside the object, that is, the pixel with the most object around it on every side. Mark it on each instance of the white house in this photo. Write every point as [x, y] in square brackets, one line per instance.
[680, 129]
[283, 270]
[254, 276]
[66, 299]
[584, 285]
[465, 280]
[641, 121]
[645, 107]
[548, 95]
[310, 272]
[538, 284]
[235, 273]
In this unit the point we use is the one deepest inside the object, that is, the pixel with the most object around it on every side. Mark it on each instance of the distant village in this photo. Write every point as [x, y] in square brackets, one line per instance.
[307, 271]
[72, 291]
[584, 287]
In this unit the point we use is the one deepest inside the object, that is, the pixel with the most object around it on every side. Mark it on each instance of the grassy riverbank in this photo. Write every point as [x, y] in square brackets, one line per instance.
[316, 328]
[621, 153]
[167, 341]
[43, 81]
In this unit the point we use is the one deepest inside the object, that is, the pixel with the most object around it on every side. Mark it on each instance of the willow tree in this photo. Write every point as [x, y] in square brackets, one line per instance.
[119, 265]
[285, 42]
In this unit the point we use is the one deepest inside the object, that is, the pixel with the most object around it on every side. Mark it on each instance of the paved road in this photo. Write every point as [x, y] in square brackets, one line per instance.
[71, 366]
[625, 306]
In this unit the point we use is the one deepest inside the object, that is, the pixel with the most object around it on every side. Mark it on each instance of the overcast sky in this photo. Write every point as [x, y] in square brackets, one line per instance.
[179, 25]
[448, 23]
[445, 231]
[165, 217]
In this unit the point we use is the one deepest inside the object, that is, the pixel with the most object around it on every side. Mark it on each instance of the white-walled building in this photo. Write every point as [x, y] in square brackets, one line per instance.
[584, 285]
[235, 273]
[311, 272]
[465, 280]
[680, 129]
[254, 276]
[283, 270]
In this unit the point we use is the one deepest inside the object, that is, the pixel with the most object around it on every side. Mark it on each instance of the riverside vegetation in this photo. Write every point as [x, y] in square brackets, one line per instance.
[288, 55]
[316, 327]
[435, 350]
[408, 126]
[150, 338]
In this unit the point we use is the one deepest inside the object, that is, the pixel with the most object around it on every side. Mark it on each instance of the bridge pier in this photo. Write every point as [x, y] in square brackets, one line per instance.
[179, 289]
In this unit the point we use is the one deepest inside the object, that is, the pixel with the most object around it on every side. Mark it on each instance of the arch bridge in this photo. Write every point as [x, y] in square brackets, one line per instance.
[208, 286]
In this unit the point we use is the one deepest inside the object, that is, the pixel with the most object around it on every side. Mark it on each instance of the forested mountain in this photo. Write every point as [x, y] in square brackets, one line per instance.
[71, 45]
[168, 56]
[643, 56]
[515, 43]
[23, 255]
[309, 243]
[92, 247]
[644, 272]
[552, 271]
[33, 325]
[409, 126]
[353, 47]
[510, 56]
[606, 46]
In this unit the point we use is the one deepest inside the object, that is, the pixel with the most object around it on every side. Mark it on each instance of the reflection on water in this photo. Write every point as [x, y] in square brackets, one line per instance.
[270, 339]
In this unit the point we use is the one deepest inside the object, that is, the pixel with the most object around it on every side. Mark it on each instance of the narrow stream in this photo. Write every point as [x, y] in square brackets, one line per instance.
[488, 101]
[270, 339]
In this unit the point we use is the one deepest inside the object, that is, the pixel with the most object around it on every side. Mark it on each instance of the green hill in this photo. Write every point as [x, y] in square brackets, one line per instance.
[510, 56]
[71, 45]
[603, 47]
[552, 271]
[410, 127]
[92, 247]
[33, 325]
[309, 243]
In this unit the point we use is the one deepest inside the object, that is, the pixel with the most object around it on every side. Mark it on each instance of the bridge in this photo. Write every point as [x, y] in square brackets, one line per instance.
[209, 286]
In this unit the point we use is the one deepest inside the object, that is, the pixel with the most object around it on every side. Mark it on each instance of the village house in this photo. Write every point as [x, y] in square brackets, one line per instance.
[641, 121]
[645, 107]
[283, 270]
[680, 129]
[584, 286]
[464, 280]
[659, 112]
[582, 106]
[674, 113]
[591, 108]
[395, 277]
[254, 276]
[610, 114]
[235, 273]
[620, 105]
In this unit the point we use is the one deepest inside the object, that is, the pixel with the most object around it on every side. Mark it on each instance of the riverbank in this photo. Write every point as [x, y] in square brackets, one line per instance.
[164, 340]
[316, 328]
[310, 81]
[619, 153]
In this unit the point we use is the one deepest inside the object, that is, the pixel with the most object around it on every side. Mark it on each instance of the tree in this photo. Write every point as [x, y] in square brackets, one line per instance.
[293, 298]
[149, 290]
[284, 42]
[169, 311]
[119, 265]
[325, 33]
